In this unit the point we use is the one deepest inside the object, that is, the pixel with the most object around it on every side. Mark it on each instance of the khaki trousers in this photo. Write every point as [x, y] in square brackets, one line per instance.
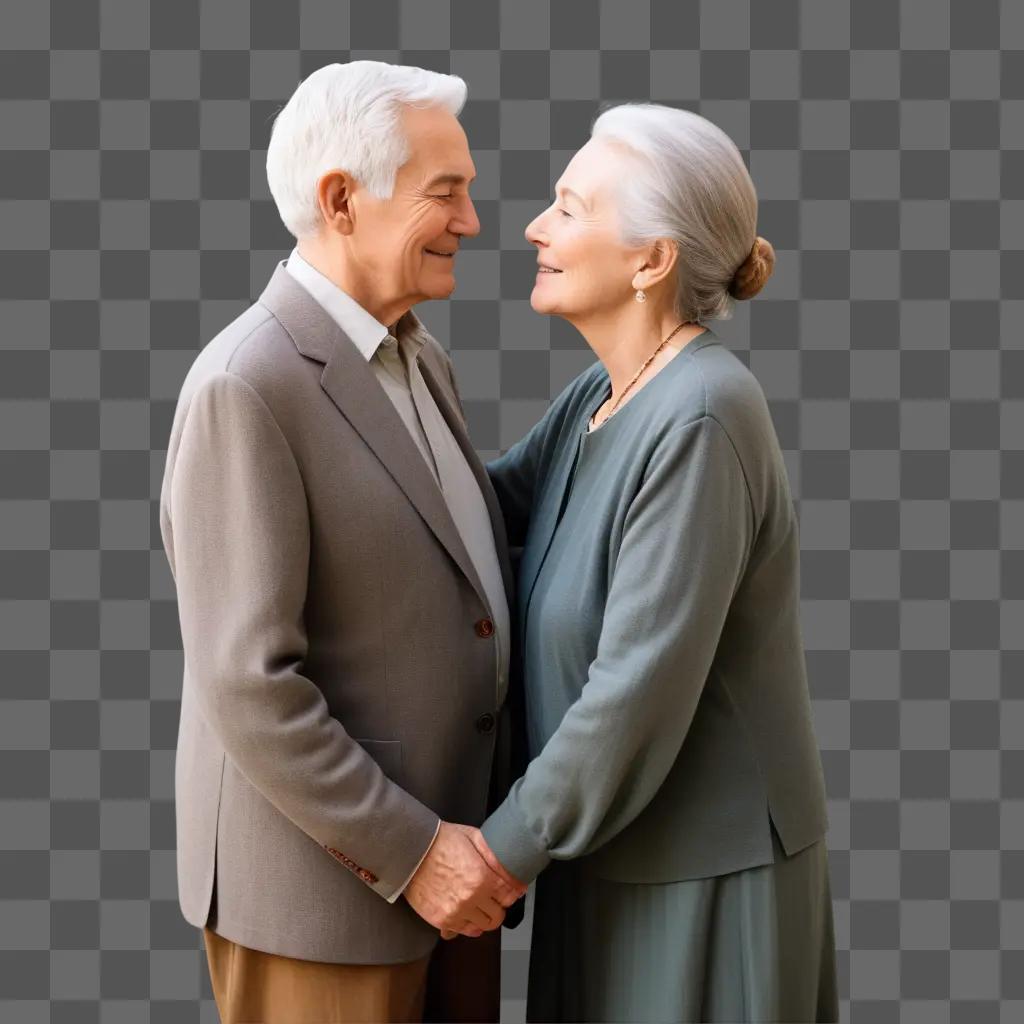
[459, 981]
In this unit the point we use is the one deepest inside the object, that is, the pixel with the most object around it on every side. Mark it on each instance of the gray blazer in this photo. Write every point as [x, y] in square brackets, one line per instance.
[666, 689]
[339, 692]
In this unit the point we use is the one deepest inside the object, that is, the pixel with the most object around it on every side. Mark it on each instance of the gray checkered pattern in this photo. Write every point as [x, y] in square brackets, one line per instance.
[886, 141]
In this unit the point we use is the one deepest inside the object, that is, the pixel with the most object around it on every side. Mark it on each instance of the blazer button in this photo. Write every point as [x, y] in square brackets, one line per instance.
[485, 723]
[484, 628]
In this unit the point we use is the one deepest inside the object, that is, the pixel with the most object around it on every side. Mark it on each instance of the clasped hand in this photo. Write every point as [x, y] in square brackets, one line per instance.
[461, 888]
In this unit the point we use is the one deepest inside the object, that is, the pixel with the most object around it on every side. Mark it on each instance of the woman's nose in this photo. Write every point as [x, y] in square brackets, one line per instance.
[533, 231]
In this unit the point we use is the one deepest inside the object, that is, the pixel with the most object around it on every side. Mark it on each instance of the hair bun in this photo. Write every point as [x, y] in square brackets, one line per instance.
[754, 271]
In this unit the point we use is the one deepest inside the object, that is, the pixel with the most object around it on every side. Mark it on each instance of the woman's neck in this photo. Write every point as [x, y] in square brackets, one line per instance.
[623, 339]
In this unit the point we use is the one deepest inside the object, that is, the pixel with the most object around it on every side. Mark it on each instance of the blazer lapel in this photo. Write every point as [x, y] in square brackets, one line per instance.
[353, 388]
[455, 424]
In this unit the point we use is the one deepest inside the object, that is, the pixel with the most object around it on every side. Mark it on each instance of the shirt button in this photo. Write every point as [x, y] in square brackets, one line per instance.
[484, 628]
[485, 723]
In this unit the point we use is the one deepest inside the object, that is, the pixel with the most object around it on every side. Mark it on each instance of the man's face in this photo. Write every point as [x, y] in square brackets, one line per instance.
[405, 245]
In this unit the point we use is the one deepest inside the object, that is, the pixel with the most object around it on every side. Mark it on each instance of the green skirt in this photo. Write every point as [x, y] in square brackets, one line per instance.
[752, 945]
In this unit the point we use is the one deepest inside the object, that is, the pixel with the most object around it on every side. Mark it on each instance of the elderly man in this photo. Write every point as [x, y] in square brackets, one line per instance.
[343, 589]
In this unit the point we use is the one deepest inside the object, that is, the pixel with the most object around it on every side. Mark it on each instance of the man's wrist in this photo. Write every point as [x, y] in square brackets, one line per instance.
[412, 874]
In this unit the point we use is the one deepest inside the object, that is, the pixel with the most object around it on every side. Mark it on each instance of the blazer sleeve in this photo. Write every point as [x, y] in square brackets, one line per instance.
[239, 546]
[685, 543]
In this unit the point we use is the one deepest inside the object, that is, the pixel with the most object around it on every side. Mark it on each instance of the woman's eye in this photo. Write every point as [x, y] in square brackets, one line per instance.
[448, 196]
[564, 213]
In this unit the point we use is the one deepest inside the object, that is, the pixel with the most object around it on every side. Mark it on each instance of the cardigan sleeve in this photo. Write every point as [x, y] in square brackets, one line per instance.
[684, 547]
[514, 477]
[518, 474]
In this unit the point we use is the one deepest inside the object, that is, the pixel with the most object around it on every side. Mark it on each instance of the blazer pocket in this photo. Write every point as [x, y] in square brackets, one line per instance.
[388, 754]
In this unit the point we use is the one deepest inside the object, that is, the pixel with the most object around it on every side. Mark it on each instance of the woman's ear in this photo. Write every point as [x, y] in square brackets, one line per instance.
[659, 260]
[334, 197]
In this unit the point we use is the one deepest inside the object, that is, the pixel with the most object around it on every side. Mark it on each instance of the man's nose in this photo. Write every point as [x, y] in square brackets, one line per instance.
[468, 221]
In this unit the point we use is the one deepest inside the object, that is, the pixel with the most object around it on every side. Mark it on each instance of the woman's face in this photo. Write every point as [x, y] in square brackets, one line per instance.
[584, 269]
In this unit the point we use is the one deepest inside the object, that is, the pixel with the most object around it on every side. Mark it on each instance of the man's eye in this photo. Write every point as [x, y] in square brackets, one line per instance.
[564, 213]
[448, 196]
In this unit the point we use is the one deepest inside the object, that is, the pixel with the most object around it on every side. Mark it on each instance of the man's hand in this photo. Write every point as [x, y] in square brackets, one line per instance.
[476, 837]
[456, 890]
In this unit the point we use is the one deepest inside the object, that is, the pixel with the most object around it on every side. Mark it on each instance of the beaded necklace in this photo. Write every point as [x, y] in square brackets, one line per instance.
[636, 377]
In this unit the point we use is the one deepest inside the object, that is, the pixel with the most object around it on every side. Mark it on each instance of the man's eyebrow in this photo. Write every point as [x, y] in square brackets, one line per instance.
[575, 195]
[448, 179]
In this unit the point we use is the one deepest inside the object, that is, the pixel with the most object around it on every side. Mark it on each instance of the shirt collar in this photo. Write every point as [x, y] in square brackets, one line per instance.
[365, 331]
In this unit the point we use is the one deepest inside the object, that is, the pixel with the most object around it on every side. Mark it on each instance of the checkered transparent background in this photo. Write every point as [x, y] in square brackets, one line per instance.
[886, 141]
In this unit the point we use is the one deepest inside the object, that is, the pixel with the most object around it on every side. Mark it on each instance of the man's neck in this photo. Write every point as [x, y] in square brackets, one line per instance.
[340, 274]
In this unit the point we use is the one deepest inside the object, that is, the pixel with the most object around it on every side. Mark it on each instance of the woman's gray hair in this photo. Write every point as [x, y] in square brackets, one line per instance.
[690, 185]
[346, 116]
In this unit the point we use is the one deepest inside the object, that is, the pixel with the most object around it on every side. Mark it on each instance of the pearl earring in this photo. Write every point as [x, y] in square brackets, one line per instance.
[640, 295]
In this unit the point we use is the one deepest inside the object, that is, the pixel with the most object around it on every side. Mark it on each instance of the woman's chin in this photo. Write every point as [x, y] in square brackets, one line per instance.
[540, 303]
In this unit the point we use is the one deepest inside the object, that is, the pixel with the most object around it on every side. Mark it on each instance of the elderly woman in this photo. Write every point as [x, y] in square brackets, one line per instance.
[673, 813]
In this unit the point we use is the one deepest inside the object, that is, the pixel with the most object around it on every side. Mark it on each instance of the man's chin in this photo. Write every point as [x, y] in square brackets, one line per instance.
[440, 289]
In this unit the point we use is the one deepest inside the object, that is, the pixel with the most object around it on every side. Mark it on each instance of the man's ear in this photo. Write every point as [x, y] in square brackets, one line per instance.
[334, 197]
[658, 262]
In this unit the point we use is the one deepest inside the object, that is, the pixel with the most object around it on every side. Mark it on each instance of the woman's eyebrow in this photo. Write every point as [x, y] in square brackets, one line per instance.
[575, 195]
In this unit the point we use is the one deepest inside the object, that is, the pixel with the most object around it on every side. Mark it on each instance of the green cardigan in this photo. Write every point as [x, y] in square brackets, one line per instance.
[667, 711]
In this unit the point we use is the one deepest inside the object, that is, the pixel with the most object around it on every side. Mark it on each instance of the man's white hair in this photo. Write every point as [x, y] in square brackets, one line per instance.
[687, 182]
[346, 116]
